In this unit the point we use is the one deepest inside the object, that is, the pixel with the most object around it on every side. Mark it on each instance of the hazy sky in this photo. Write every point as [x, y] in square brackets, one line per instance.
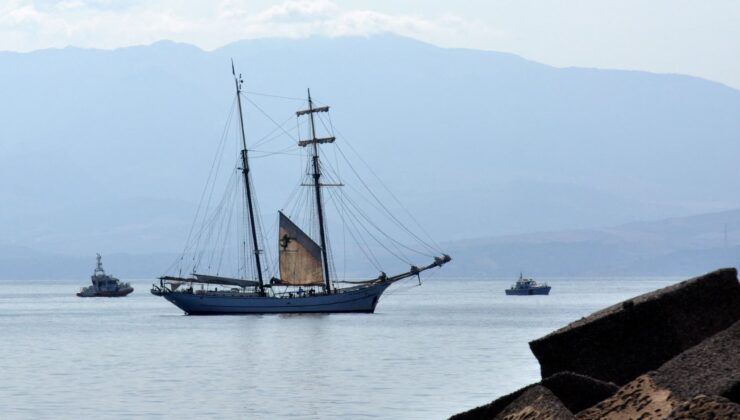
[696, 37]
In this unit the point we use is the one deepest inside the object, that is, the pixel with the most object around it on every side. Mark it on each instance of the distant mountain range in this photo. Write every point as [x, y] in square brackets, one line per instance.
[108, 150]
[678, 246]
[18, 263]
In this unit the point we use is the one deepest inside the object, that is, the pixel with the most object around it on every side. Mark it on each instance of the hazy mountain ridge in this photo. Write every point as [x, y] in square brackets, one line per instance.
[476, 143]
[676, 246]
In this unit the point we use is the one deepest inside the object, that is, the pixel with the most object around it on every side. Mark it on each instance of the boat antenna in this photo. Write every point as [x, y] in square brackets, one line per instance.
[315, 141]
[247, 185]
[99, 268]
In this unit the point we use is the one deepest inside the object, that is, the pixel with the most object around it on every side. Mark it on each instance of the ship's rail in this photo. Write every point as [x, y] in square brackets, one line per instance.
[171, 284]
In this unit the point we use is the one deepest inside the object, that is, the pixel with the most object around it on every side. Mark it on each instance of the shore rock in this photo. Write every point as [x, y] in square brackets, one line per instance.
[703, 407]
[711, 368]
[641, 398]
[578, 392]
[536, 402]
[575, 392]
[624, 341]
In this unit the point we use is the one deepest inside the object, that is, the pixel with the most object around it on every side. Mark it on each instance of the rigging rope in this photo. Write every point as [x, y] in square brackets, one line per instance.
[379, 242]
[268, 117]
[436, 248]
[387, 211]
[266, 138]
[210, 183]
[374, 225]
[273, 96]
[361, 243]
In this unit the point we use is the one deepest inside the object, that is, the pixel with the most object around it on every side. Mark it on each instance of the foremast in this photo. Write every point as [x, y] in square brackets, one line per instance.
[247, 184]
[314, 142]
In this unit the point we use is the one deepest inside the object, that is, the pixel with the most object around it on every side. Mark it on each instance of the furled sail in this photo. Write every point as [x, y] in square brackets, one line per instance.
[300, 256]
[227, 281]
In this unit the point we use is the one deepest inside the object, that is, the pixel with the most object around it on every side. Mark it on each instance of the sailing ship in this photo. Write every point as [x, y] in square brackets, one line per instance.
[526, 287]
[306, 283]
[104, 285]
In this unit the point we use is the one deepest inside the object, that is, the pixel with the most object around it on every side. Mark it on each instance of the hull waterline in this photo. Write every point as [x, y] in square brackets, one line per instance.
[107, 294]
[528, 292]
[362, 300]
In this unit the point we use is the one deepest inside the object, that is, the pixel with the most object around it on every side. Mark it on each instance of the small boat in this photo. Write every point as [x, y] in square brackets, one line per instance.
[104, 285]
[526, 287]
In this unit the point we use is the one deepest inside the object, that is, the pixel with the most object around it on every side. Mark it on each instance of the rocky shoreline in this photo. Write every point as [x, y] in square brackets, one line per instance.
[673, 353]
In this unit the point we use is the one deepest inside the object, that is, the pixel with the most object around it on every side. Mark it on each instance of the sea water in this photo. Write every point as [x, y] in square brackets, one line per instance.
[429, 351]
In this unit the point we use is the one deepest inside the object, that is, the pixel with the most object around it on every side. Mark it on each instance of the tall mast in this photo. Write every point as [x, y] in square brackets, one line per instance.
[247, 185]
[315, 141]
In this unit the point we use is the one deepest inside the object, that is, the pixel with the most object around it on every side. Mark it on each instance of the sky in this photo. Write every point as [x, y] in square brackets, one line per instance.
[695, 37]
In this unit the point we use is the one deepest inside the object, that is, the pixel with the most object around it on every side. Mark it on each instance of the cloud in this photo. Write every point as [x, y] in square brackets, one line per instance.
[300, 18]
[25, 25]
[18, 14]
[70, 4]
[367, 22]
[300, 11]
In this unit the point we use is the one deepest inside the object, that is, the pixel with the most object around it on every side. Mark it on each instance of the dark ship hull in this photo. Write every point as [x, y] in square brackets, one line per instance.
[118, 293]
[542, 290]
[359, 300]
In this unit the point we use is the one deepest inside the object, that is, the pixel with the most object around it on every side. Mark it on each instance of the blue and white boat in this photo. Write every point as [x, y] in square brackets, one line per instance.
[526, 287]
[306, 280]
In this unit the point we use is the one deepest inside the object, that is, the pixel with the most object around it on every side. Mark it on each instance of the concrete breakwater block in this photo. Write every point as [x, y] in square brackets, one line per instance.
[711, 368]
[575, 393]
[537, 402]
[623, 341]
[703, 407]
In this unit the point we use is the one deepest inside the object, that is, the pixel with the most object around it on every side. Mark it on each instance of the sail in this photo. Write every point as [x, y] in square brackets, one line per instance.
[300, 256]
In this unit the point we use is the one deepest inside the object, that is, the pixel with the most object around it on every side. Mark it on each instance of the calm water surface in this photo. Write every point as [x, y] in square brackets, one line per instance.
[428, 352]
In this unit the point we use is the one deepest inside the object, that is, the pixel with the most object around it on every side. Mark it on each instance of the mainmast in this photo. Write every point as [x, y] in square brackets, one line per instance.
[315, 141]
[247, 184]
